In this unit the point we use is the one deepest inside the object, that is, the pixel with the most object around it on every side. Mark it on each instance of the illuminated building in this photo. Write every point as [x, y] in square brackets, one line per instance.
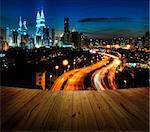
[46, 37]
[66, 25]
[4, 45]
[14, 37]
[75, 38]
[22, 33]
[31, 43]
[4, 34]
[66, 36]
[41, 30]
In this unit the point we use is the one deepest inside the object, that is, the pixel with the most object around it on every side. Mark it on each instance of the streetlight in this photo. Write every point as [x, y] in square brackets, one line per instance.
[128, 46]
[117, 46]
[65, 63]
[50, 76]
[56, 67]
[125, 82]
[74, 63]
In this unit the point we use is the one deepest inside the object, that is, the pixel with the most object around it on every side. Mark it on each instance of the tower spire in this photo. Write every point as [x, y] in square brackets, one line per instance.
[42, 14]
[38, 15]
[20, 22]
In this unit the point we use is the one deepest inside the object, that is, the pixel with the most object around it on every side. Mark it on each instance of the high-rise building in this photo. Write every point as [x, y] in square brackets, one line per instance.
[14, 37]
[38, 41]
[66, 36]
[41, 30]
[22, 33]
[24, 38]
[75, 38]
[40, 23]
[4, 34]
[46, 36]
[31, 43]
[66, 25]
[53, 36]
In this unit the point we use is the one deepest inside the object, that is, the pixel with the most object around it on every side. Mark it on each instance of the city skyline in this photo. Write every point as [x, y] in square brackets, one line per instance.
[88, 16]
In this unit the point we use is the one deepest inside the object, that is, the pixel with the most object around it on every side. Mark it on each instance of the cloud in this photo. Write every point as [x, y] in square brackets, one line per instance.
[104, 19]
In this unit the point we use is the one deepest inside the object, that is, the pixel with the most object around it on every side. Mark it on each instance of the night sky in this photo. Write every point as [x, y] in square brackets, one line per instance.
[97, 18]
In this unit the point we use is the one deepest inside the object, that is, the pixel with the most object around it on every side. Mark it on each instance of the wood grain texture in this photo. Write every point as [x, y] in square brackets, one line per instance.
[37, 110]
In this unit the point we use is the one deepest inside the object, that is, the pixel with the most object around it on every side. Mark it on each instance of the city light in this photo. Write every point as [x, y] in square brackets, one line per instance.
[117, 46]
[128, 46]
[65, 62]
[56, 67]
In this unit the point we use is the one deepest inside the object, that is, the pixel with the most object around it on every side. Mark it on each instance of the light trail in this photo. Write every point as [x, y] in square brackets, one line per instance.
[103, 78]
[99, 76]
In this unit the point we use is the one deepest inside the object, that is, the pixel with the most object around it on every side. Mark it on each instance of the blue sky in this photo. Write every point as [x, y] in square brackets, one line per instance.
[135, 12]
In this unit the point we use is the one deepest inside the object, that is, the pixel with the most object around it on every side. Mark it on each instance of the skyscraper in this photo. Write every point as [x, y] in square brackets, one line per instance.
[3, 33]
[22, 32]
[66, 25]
[46, 36]
[75, 38]
[53, 36]
[14, 37]
[40, 24]
[66, 36]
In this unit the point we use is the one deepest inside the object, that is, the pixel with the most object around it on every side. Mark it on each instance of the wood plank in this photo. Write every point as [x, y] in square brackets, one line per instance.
[135, 117]
[78, 120]
[140, 102]
[103, 115]
[66, 113]
[27, 116]
[16, 104]
[140, 92]
[40, 123]
[112, 110]
[53, 116]
[13, 112]
[113, 117]
[91, 124]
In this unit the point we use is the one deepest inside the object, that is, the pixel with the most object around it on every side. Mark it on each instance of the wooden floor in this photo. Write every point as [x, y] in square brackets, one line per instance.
[36, 110]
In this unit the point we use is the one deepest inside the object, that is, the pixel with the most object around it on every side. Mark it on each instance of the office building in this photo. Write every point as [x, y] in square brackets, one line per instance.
[66, 36]
[53, 36]
[14, 37]
[75, 38]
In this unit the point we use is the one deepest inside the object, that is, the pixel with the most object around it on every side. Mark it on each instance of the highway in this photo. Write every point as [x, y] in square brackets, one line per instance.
[104, 74]
[76, 82]
[74, 79]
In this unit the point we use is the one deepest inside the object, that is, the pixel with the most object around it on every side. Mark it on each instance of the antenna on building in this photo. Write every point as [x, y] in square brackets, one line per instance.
[24, 24]
[20, 22]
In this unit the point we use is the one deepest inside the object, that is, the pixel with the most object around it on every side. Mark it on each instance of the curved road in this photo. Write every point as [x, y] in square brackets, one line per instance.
[74, 79]
[107, 73]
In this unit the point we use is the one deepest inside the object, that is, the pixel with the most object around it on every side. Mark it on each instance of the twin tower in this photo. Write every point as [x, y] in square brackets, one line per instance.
[40, 22]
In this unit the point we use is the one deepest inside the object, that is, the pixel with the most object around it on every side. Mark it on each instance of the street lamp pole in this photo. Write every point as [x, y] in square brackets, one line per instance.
[50, 76]
[65, 63]
[56, 67]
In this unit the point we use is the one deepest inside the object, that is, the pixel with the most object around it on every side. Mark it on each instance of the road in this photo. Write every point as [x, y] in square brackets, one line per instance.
[104, 78]
[74, 79]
